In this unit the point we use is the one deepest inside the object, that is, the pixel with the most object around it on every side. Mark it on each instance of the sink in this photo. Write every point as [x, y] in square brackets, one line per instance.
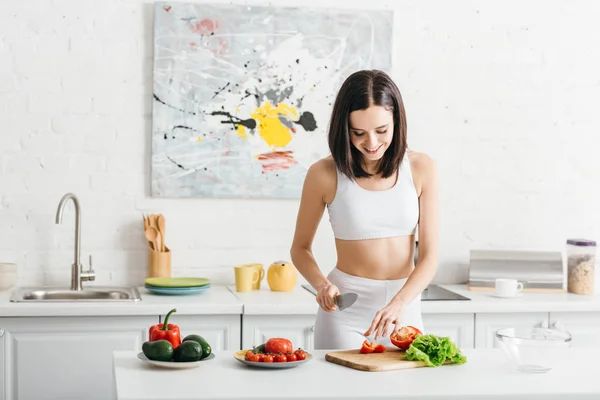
[92, 294]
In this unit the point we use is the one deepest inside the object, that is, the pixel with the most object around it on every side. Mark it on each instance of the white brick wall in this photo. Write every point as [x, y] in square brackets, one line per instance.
[503, 94]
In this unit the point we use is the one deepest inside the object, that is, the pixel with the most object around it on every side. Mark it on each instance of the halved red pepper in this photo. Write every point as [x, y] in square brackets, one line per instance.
[166, 331]
[372, 347]
[404, 336]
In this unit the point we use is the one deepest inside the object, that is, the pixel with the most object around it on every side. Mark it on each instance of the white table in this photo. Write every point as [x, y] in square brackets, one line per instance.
[486, 375]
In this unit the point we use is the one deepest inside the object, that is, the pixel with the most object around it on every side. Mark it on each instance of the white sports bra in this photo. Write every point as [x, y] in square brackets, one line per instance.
[357, 213]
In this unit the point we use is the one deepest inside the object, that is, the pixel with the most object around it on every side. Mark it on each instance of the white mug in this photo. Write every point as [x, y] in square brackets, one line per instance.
[508, 287]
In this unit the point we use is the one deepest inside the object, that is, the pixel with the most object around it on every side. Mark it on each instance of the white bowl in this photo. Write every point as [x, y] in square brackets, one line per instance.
[532, 350]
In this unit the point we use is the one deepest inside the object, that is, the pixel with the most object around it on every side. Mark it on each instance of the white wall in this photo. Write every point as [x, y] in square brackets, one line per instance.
[503, 94]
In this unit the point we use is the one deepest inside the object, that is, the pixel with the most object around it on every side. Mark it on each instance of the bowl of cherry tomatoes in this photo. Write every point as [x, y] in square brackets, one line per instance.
[277, 353]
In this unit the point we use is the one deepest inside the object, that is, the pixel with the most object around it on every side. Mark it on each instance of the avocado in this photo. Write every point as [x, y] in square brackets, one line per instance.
[188, 351]
[158, 350]
[206, 349]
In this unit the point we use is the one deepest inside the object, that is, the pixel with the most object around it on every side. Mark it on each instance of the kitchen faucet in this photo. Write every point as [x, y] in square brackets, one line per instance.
[77, 275]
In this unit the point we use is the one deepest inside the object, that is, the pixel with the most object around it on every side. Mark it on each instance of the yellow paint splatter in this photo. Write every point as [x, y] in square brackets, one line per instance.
[270, 127]
[241, 130]
[199, 139]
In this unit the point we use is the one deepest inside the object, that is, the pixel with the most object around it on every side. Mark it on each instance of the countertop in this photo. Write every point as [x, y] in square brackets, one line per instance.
[486, 375]
[221, 299]
[217, 300]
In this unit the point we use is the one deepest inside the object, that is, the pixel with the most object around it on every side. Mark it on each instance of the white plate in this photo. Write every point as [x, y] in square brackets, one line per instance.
[506, 297]
[274, 365]
[173, 364]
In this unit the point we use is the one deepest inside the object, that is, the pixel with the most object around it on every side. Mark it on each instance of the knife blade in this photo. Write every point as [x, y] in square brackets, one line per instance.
[345, 300]
[342, 301]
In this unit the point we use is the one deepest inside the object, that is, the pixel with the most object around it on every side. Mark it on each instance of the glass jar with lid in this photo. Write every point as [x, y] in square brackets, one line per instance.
[581, 261]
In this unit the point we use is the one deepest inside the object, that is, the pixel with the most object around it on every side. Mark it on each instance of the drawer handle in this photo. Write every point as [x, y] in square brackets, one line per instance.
[1, 332]
[312, 328]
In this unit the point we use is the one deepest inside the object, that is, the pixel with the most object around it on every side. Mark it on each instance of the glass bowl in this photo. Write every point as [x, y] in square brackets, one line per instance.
[532, 350]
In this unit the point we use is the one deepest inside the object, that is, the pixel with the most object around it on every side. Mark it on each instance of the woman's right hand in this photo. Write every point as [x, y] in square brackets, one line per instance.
[325, 295]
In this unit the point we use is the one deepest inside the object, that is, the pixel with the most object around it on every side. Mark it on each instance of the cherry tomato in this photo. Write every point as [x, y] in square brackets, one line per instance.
[278, 345]
[300, 355]
[291, 357]
[280, 358]
[268, 358]
[261, 357]
[248, 355]
[254, 358]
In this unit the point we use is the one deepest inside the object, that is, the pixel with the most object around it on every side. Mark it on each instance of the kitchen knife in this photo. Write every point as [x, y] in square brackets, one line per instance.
[342, 301]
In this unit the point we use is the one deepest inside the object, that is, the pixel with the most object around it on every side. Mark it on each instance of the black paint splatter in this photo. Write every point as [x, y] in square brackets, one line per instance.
[220, 90]
[175, 108]
[184, 127]
[176, 163]
[307, 121]
[235, 121]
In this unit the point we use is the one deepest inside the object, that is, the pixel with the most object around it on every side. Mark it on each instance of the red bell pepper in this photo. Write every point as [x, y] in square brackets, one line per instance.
[404, 336]
[372, 347]
[166, 331]
[379, 348]
[367, 347]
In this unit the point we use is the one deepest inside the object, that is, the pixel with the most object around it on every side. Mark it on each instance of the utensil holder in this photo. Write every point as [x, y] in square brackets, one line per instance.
[159, 263]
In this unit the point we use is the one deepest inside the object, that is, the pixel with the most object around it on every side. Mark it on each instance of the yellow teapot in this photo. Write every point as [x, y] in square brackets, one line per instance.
[281, 276]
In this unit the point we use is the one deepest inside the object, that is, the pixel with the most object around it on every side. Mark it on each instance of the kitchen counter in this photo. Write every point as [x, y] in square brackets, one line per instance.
[300, 301]
[225, 300]
[484, 302]
[486, 375]
[217, 300]
[266, 302]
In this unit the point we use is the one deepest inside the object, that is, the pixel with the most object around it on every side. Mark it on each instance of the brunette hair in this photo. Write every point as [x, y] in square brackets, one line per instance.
[359, 91]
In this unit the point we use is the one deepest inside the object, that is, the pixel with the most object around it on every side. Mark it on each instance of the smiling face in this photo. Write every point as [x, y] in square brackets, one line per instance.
[371, 132]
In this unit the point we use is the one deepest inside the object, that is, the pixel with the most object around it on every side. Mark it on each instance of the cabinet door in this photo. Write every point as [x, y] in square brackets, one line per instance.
[583, 326]
[459, 327]
[4, 395]
[486, 325]
[299, 329]
[222, 332]
[66, 357]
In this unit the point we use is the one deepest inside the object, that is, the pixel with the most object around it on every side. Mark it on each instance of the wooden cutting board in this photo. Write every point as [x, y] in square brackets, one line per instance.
[389, 360]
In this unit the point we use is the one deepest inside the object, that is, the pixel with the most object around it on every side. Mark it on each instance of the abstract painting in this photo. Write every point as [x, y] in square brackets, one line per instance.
[242, 95]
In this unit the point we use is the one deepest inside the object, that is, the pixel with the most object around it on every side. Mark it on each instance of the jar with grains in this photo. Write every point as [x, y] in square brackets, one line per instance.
[581, 260]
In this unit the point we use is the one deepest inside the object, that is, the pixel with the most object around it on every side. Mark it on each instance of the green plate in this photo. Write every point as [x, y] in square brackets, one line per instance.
[177, 282]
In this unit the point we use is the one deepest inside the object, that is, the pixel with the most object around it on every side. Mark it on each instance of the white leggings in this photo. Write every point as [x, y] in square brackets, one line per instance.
[344, 329]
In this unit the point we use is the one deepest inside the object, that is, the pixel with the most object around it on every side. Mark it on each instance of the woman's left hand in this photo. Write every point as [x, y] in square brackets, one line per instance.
[386, 320]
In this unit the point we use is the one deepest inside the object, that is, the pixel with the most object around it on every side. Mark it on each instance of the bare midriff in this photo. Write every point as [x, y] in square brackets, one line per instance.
[381, 259]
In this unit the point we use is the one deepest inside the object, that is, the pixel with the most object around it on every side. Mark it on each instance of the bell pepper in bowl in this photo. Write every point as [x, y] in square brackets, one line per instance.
[166, 331]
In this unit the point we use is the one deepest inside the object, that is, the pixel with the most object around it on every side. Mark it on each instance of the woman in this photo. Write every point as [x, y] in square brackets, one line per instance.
[376, 193]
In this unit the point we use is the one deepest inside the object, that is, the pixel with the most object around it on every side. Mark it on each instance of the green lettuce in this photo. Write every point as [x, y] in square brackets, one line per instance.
[434, 351]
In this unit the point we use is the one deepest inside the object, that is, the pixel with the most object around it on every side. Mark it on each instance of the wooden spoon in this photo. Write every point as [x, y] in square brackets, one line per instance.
[160, 220]
[153, 237]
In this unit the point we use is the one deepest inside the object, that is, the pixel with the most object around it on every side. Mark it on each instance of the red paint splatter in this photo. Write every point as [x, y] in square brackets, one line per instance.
[293, 129]
[218, 47]
[277, 160]
[193, 45]
[167, 8]
[205, 27]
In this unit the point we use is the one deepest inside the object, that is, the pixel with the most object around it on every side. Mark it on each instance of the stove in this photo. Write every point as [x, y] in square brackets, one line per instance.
[436, 293]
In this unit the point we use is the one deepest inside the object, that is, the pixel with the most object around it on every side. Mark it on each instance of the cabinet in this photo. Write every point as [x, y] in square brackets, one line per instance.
[583, 326]
[222, 332]
[65, 357]
[459, 327]
[486, 325]
[299, 329]
[71, 357]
